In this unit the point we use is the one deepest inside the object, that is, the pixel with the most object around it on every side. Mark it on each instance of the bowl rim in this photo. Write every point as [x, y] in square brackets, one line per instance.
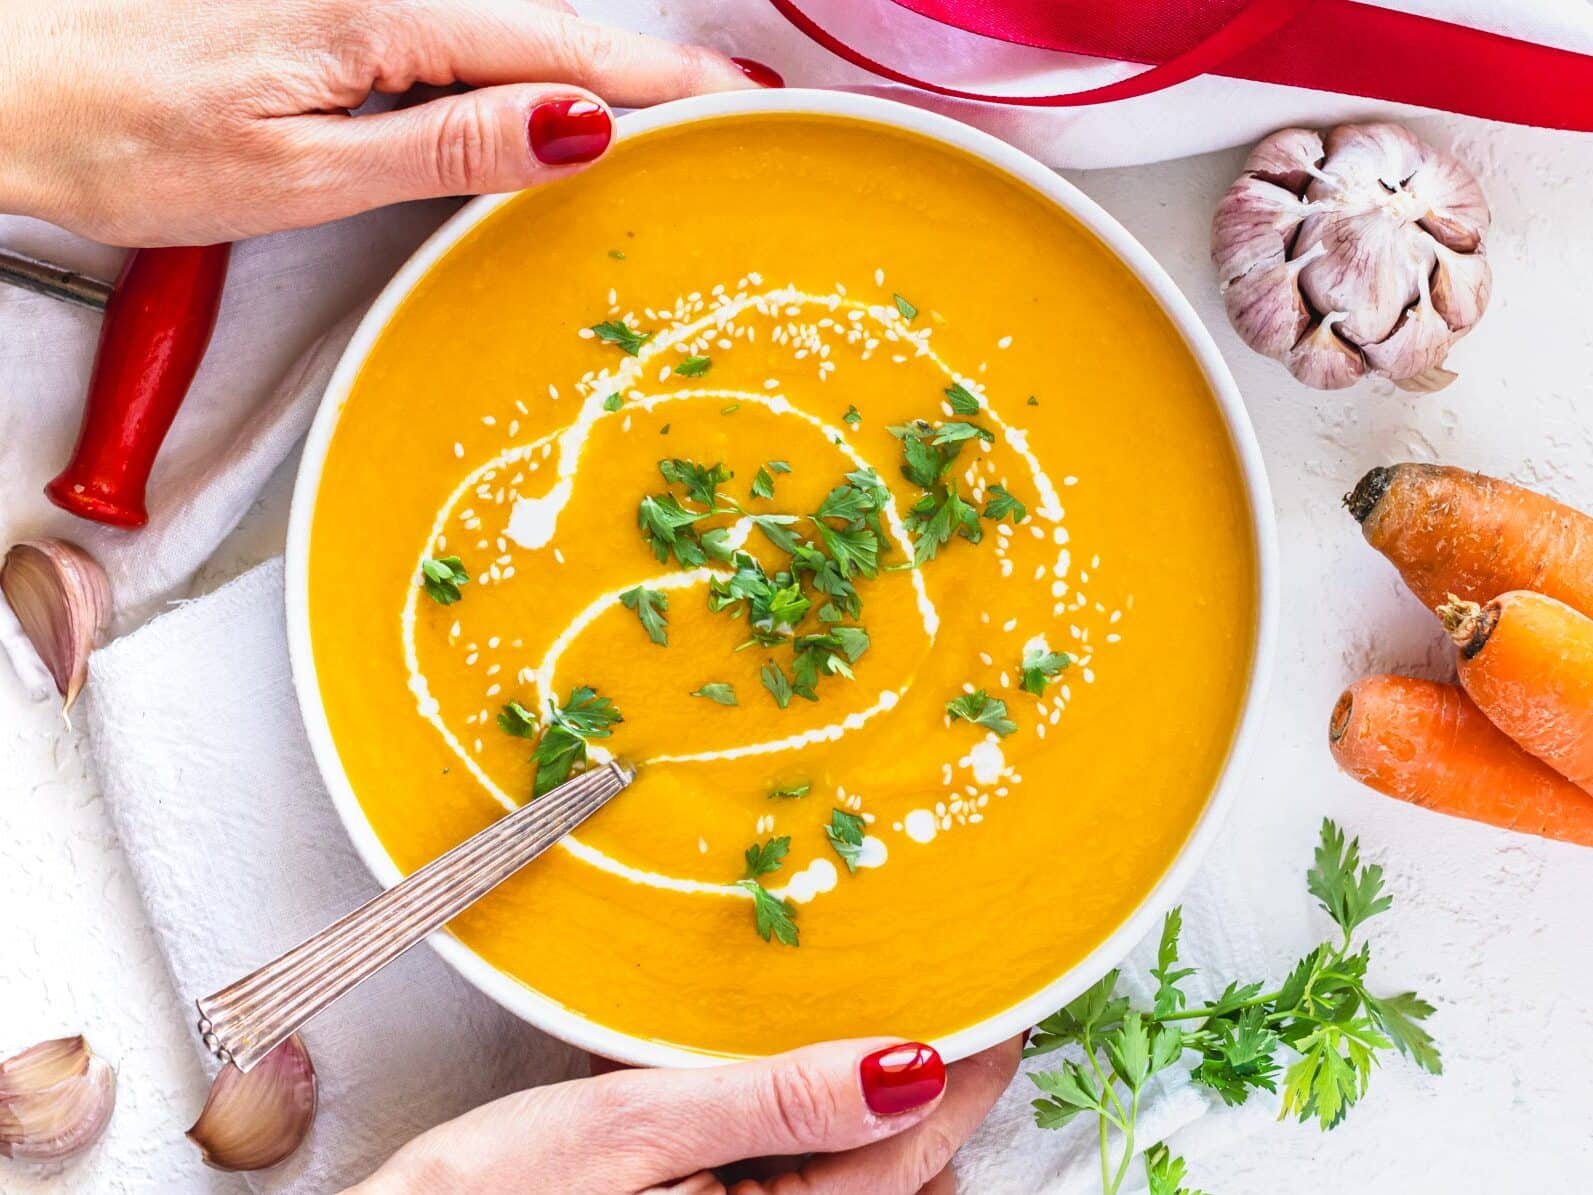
[566, 1023]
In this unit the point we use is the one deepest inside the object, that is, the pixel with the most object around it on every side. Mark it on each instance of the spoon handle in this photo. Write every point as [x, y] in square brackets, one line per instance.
[246, 1020]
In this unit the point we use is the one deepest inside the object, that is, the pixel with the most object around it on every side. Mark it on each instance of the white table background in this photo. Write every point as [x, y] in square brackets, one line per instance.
[1496, 929]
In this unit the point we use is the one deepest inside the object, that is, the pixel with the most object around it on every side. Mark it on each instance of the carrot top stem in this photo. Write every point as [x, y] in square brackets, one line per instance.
[1368, 492]
[1468, 623]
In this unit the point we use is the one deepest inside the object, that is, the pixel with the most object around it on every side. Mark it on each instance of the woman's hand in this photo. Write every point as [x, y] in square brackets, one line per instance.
[880, 1117]
[148, 122]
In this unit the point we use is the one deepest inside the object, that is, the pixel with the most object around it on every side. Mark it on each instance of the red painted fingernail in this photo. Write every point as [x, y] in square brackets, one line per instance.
[763, 76]
[900, 1078]
[564, 132]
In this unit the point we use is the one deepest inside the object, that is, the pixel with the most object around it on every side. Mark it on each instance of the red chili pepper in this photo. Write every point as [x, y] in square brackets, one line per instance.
[157, 326]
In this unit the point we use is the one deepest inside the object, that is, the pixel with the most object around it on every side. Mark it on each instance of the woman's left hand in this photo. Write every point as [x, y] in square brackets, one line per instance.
[864, 1117]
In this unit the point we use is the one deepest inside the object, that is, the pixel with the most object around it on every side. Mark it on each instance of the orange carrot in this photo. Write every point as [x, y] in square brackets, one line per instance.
[1426, 743]
[1527, 662]
[1449, 531]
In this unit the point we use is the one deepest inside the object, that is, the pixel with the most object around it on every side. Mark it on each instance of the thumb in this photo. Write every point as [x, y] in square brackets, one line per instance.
[492, 139]
[819, 1099]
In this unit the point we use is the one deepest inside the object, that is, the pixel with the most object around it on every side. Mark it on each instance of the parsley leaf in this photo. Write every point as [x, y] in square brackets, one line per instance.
[982, 710]
[663, 521]
[778, 466]
[962, 400]
[1164, 1172]
[790, 792]
[557, 752]
[649, 605]
[442, 579]
[694, 367]
[586, 714]
[772, 917]
[614, 402]
[619, 333]
[762, 484]
[957, 432]
[1003, 505]
[1349, 896]
[701, 482]
[845, 833]
[1040, 666]
[1169, 996]
[766, 857]
[909, 312]
[563, 744]
[852, 417]
[775, 681]
[717, 691]
[853, 551]
[515, 719]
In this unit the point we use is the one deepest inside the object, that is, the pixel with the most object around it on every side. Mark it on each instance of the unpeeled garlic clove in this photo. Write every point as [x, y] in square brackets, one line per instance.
[55, 1100]
[1360, 159]
[62, 599]
[1461, 285]
[1417, 344]
[1370, 268]
[254, 1120]
[1325, 360]
[1288, 158]
[1265, 306]
[1253, 226]
[1456, 211]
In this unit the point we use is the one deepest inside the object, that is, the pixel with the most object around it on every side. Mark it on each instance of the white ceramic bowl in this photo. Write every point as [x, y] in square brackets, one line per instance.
[565, 1023]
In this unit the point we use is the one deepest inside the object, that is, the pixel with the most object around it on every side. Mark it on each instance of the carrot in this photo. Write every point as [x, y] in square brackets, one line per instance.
[1449, 531]
[1426, 743]
[1527, 662]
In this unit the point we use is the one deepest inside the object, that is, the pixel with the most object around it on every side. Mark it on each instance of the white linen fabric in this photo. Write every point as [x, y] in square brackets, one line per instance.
[238, 854]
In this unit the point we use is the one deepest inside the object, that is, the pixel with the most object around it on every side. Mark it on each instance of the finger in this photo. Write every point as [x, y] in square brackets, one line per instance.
[824, 1098]
[944, 1183]
[701, 1183]
[491, 140]
[488, 42]
[906, 1162]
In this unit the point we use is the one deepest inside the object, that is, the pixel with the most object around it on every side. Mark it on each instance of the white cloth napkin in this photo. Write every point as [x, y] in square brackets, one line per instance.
[238, 854]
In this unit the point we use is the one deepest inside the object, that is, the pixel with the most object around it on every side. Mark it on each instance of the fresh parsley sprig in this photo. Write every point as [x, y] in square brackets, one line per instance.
[773, 918]
[563, 744]
[442, 579]
[845, 833]
[1322, 1021]
[650, 606]
[982, 709]
[621, 335]
[1040, 666]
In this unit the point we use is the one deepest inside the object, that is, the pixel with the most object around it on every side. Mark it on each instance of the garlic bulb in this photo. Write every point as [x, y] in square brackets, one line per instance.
[256, 1119]
[55, 1100]
[62, 599]
[1359, 252]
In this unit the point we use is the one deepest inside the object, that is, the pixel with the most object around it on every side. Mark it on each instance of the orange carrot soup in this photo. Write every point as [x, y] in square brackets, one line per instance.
[861, 499]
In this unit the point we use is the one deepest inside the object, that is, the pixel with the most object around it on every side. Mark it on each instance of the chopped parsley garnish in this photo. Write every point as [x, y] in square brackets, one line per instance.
[584, 716]
[762, 484]
[620, 334]
[909, 312]
[614, 401]
[442, 579]
[763, 858]
[1033, 401]
[701, 482]
[1041, 666]
[665, 525]
[982, 710]
[853, 551]
[777, 466]
[852, 417]
[957, 432]
[515, 719]
[776, 528]
[617, 254]
[730, 409]
[1002, 505]
[772, 917]
[694, 367]
[927, 456]
[845, 833]
[649, 605]
[718, 692]
[790, 792]
[775, 681]
[962, 401]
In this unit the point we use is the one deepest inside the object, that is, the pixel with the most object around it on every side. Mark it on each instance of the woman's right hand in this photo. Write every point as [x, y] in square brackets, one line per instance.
[150, 122]
[867, 1117]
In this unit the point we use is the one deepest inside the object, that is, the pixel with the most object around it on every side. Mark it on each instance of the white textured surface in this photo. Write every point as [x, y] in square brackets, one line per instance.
[1493, 928]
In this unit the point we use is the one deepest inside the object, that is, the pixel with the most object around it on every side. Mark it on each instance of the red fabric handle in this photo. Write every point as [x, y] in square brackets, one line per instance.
[1327, 45]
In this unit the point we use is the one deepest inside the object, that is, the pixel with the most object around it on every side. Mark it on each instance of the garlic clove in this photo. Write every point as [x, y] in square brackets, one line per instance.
[1461, 286]
[55, 1100]
[1266, 309]
[1429, 381]
[1455, 211]
[1288, 158]
[1368, 161]
[254, 1120]
[1371, 267]
[1253, 226]
[1324, 359]
[1416, 345]
[62, 598]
